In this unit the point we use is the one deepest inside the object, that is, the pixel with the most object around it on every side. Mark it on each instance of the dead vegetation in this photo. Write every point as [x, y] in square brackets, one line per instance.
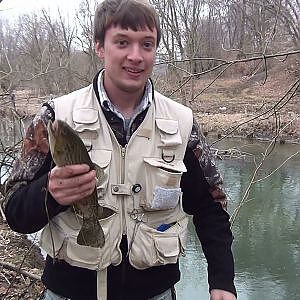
[21, 265]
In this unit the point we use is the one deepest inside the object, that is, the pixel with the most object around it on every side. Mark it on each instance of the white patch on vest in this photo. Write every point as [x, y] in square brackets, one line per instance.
[165, 198]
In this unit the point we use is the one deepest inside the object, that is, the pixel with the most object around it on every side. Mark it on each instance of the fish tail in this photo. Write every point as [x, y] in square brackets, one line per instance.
[91, 234]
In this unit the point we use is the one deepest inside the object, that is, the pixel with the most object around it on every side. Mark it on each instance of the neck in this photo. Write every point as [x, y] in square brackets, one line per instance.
[125, 101]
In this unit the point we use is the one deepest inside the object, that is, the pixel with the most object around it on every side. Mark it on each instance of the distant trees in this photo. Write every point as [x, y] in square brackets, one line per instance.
[47, 54]
[56, 55]
[198, 27]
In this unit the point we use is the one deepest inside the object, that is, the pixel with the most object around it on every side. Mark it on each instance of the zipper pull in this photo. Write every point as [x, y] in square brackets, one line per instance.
[123, 151]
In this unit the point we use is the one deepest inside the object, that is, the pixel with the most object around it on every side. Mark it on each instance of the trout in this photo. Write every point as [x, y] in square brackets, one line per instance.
[67, 148]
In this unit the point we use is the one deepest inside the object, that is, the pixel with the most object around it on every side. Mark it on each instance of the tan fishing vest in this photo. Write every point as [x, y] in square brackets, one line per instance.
[141, 184]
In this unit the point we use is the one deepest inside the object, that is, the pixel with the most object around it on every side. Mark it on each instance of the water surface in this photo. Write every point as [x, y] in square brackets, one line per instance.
[267, 229]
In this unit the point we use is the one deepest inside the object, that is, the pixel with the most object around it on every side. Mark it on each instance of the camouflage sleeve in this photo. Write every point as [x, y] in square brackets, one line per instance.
[197, 143]
[33, 153]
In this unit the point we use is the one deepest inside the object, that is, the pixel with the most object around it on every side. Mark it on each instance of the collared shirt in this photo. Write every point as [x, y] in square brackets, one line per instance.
[107, 105]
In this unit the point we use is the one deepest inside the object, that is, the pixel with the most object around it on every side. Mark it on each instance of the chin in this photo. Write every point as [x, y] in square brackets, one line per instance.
[133, 86]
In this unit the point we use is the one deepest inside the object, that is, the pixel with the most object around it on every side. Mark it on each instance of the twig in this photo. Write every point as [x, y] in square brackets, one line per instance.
[185, 81]
[293, 90]
[6, 279]
[252, 181]
[226, 62]
[2, 212]
[17, 269]
[218, 76]
[275, 170]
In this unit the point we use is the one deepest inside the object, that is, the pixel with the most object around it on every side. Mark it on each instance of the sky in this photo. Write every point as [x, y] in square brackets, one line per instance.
[13, 8]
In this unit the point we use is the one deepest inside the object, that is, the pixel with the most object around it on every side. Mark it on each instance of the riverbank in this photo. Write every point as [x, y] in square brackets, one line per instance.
[237, 107]
[250, 109]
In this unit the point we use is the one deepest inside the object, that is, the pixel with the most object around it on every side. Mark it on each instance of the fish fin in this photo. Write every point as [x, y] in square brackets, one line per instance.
[105, 212]
[91, 234]
[99, 171]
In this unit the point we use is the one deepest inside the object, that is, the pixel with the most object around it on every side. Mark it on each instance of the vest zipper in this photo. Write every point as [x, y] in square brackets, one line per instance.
[123, 154]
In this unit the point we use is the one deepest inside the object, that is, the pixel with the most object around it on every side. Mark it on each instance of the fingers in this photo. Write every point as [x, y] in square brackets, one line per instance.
[71, 183]
[69, 196]
[69, 171]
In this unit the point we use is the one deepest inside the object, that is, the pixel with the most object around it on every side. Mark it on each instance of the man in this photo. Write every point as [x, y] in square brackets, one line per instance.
[150, 151]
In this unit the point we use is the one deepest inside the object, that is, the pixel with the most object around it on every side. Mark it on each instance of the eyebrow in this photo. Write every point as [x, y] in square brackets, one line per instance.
[123, 35]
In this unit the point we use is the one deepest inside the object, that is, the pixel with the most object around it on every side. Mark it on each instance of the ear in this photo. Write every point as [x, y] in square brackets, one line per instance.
[99, 48]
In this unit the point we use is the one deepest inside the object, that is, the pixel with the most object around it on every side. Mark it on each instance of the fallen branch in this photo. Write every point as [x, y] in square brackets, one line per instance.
[14, 268]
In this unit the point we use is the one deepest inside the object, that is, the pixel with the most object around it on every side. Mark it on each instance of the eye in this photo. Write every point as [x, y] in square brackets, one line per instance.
[148, 45]
[122, 43]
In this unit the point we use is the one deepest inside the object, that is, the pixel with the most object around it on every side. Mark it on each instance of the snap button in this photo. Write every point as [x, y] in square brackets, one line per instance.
[115, 188]
[136, 188]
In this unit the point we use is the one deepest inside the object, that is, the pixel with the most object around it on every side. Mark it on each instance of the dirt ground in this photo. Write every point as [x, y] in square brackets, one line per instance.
[249, 108]
[229, 104]
[17, 257]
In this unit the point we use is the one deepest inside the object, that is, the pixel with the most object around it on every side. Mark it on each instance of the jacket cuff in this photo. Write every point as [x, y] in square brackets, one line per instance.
[225, 286]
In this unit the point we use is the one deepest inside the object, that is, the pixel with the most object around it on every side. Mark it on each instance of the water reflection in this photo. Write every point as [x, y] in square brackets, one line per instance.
[267, 232]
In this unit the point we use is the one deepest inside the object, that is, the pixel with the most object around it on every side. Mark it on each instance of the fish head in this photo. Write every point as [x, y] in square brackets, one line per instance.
[61, 141]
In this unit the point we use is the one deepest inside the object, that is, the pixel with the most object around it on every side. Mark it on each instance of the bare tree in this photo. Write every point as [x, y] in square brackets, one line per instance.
[89, 62]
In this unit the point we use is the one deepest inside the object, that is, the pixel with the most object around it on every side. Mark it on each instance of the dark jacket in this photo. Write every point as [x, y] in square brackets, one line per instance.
[25, 212]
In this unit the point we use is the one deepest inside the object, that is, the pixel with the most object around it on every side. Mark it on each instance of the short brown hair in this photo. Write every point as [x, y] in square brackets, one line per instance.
[133, 14]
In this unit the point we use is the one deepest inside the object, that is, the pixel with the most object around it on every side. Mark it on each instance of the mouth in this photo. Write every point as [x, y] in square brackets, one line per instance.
[133, 71]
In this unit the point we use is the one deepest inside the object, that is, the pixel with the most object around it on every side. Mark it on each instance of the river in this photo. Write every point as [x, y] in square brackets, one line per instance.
[267, 230]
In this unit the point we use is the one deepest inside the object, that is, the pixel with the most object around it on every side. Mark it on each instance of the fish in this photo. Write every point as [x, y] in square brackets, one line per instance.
[67, 148]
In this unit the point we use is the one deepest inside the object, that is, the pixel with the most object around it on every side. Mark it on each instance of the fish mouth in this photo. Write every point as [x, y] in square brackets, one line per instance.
[52, 127]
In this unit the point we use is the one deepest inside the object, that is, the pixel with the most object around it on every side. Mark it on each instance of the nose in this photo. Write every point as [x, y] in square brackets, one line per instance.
[135, 54]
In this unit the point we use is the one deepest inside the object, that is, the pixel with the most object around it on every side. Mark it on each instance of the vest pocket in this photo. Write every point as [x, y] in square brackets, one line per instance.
[154, 248]
[65, 233]
[95, 258]
[51, 244]
[162, 188]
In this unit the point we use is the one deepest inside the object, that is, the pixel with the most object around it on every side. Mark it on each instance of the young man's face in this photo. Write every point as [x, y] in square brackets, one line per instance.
[128, 58]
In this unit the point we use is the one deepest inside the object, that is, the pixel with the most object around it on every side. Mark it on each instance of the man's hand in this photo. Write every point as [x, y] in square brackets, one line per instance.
[221, 295]
[71, 183]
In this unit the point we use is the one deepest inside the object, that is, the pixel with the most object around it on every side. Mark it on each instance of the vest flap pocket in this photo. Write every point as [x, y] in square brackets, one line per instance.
[84, 254]
[103, 157]
[51, 240]
[155, 248]
[167, 126]
[169, 132]
[167, 246]
[172, 242]
[91, 257]
[85, 119]
[162, 184]
[176, 166]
